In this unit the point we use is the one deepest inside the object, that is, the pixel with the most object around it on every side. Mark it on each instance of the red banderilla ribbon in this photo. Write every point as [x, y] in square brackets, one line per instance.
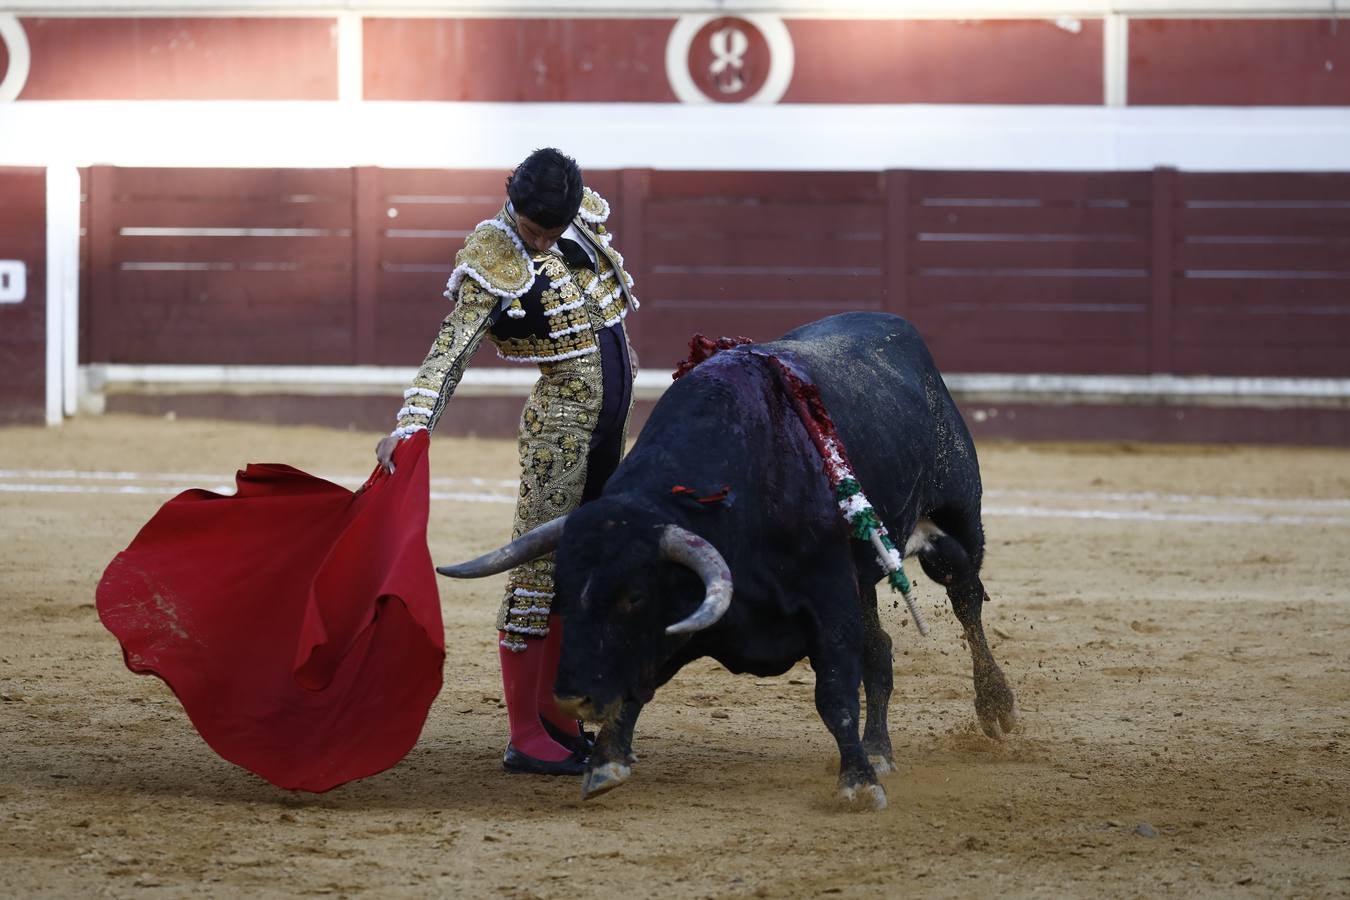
[682, 491]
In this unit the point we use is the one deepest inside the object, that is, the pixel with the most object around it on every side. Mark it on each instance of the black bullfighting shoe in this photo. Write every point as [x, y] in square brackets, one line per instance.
[579, 741]
[518, 763]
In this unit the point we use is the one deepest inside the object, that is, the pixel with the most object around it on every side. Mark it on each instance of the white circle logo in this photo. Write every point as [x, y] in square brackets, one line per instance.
[16, 45]
[712, 58]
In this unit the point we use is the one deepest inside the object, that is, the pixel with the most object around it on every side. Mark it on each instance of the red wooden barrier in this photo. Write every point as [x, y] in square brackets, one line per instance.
[1019, 272]
[221, 266]
[23, 324]
[1261, 275]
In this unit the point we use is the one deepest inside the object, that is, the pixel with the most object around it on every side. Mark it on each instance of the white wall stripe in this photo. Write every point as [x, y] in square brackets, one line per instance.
[350, 57]
[1115, 60]
[789, 137]
[63, 277]
[54, 330]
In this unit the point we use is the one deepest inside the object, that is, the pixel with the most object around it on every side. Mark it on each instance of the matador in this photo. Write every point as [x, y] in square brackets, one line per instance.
[543, 283]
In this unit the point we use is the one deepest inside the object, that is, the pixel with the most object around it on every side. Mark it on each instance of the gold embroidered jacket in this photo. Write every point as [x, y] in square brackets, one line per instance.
[552, 312]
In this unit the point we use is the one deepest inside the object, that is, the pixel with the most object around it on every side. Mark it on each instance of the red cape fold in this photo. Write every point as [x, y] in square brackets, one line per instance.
[297, 621]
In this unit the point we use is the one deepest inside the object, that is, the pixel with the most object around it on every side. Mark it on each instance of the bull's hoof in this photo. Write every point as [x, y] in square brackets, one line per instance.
[999, 717]
[884, 765]
[600, 779]
[863, 796]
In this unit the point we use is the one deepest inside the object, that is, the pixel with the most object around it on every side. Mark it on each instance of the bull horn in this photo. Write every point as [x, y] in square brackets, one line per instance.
[533, 544]
[688, 549]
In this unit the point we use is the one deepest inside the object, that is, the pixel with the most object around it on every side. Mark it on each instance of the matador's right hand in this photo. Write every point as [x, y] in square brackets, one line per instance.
[384, 452]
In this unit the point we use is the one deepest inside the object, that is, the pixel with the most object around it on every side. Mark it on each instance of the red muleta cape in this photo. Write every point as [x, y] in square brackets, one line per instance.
[297, 622]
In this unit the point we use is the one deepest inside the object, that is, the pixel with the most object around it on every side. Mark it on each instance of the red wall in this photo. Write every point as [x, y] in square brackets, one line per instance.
[517, 60]
[922, 61]
[23, 236]
[1242, 62]
[262, 274]
[181, 59]
[1228, 61]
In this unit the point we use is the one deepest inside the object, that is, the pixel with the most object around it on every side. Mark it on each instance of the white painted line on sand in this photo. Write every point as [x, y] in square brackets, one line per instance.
[193, 479]
[1156, 497]
[167, 483]
[224, 489]
[1146, 515]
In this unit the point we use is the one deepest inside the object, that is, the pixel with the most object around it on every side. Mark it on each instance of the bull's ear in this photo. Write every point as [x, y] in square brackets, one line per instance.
[705, 498]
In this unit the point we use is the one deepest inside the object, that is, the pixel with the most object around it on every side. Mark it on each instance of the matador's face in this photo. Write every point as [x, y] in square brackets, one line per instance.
[535, 236]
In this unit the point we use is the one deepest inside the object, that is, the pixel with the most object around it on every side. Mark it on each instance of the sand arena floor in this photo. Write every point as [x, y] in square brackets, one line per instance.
[1175, 621]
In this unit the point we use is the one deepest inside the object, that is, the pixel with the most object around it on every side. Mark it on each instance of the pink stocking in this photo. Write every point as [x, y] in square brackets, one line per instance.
[520, 684]
[548, 673]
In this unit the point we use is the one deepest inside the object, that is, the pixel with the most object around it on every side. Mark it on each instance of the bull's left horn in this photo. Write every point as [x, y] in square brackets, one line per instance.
[532, 544]
[688, 549]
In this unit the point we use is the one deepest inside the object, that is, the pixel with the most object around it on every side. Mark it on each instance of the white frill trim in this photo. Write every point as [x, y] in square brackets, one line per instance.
[523, 629]
[611, 297]
[414, 411]
[515, 312]
[585, 351]
[421, 392]
[566, 307]
[623, 313]
[404, 431]
[457, 276]
[594, 218]
[528, 610]
[526, 592]
[566, 331]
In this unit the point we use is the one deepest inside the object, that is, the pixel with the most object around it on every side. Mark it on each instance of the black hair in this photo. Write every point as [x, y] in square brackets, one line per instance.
[546, 188]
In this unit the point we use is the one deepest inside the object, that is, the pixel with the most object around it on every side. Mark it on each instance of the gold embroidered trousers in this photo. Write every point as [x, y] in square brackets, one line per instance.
[558, 429]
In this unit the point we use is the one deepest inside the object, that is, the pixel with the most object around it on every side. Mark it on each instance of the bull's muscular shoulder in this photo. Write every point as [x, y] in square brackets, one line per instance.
[494, 257]
[594, 208]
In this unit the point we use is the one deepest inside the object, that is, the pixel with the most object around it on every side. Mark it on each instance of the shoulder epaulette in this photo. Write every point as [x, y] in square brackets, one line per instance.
[494, 257]
[594, 208]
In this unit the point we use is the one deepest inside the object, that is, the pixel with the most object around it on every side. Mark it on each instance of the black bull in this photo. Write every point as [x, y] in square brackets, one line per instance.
[642, 570]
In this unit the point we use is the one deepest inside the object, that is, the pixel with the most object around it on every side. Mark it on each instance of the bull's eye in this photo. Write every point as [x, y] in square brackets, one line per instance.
[629, 601]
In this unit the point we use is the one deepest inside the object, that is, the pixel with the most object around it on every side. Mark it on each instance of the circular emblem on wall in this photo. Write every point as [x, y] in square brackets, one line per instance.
[15, 40]
[729, 59]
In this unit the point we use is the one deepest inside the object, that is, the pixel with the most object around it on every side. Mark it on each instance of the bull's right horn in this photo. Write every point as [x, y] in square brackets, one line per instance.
[688, 549]
[533, 544]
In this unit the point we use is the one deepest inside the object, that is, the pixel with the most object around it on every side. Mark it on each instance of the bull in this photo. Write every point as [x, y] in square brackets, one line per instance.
[718, 535]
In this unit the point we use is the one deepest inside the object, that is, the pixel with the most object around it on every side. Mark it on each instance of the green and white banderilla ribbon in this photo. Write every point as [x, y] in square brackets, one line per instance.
[867, 527]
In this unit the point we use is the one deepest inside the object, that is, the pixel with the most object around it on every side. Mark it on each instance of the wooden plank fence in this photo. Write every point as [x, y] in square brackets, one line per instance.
[1016, 272]
[23, 323]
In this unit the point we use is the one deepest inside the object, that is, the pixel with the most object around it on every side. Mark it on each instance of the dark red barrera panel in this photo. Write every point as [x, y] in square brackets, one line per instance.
[23, 324]
[1022, 272]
